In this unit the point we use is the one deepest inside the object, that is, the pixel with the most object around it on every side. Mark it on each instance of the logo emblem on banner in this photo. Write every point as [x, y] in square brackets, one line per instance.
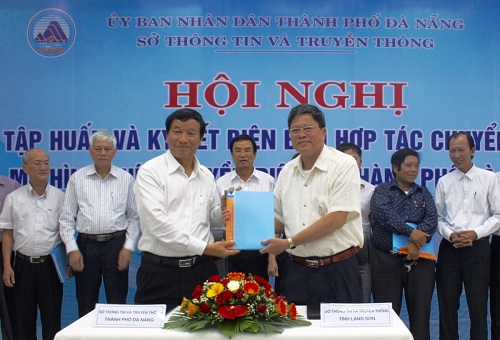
[51, 33]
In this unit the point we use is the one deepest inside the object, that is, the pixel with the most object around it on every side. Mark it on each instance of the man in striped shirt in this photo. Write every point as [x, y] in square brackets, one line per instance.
[100, 205]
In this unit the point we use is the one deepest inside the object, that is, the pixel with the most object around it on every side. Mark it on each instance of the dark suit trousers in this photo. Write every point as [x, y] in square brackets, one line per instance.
[390, 277]
[37, 284]
[470, 267]
[100, 261]
[495, 288]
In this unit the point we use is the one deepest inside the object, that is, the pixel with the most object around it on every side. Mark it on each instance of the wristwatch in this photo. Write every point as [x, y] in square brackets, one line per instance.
[290, 243]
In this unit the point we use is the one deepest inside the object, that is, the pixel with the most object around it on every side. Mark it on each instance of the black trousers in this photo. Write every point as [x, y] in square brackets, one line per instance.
[470, 267]
[495, 288]
[338, 282]
[162, 284]
[7, 306]
[390, 277]
[100, 261]
[37, 285]
[249, 261]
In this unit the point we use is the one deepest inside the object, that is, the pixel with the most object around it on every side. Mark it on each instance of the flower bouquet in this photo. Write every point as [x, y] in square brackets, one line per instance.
[236, 303]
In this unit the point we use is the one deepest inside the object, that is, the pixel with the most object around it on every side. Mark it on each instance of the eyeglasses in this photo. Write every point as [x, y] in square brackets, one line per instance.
[307, 130]
[409, 264]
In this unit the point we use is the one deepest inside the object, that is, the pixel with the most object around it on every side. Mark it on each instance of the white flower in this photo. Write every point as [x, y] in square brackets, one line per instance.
[233, 286]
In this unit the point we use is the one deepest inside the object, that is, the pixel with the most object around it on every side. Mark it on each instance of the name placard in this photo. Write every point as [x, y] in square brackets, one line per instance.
[147, 316]
[356, 314]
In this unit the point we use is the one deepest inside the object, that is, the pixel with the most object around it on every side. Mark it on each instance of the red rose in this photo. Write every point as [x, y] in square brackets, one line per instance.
[204, 308]
[225, 281]
[225, 296]
[197, 292]
[214, 278]
[232, 312]
[239, 294]
[261, 309]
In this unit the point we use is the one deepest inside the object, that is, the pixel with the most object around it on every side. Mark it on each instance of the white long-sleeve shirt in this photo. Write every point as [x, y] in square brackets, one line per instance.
[94, 205]
[176, 211]
[469, 201]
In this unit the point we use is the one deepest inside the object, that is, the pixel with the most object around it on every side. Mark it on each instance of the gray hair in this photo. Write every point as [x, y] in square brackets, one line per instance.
[103, 135]
[25, 155]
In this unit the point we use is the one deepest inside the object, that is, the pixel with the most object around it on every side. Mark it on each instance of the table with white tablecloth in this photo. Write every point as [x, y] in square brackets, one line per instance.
[83, 329]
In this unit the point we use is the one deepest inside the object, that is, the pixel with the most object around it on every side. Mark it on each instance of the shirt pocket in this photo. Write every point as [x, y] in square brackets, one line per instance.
[202, 208]
[119, 201]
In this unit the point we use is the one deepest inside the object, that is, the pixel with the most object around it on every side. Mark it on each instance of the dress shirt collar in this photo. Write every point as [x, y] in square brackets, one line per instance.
[469, 174]
[32, 191]
[321, 162]
[173, 165]
[91, 170]
[413, 187]
[2, 180]
[234, 176]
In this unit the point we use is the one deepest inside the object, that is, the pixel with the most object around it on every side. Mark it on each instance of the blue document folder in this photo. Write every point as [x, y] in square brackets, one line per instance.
[253, 219]
[399, 241]
[60, 260]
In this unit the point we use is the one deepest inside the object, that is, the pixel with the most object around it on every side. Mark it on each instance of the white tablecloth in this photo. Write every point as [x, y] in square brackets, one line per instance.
[83, 329]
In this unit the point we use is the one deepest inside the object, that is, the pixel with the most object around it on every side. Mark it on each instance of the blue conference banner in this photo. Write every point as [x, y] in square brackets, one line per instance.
[386, 74]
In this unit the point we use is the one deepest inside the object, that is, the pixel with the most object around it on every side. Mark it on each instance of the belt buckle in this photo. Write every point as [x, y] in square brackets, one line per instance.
[185, 263]
[312, 263]
[101, 238]
[35, 259]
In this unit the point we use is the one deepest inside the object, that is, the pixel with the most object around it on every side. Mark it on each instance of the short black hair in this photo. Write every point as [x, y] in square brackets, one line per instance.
[183, 115]
[244, 137]
[399, 157]
[470, 140]
[343, 147]
[302, 109]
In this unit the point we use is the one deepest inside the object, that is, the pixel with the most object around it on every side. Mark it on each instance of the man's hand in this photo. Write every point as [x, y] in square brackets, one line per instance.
[272, 266]
[463, 239]
[419, 237]
[275, 246]
[413, 251]
[124, 259]
[76, 261]
[220, 249]
[9, 278]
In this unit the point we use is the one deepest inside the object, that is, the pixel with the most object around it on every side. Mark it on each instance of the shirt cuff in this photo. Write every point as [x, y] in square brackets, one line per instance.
[71, 246]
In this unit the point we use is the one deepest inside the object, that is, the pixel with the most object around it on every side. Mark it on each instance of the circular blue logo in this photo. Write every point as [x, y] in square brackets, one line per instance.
[51, 33]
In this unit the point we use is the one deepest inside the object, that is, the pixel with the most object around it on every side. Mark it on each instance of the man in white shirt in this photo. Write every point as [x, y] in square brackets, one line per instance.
[30, 226]
[317, 207]
[245, 177]
[366, 192]
[178, 202]
[468, 206]
[7, 306]
[100, 205]
[495, 280]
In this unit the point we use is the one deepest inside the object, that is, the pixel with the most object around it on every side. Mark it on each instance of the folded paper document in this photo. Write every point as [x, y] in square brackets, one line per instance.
[252, 218]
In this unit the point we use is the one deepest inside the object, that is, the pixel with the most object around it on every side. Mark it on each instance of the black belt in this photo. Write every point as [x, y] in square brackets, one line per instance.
[102, 237]
[33, 259]
[181, 262]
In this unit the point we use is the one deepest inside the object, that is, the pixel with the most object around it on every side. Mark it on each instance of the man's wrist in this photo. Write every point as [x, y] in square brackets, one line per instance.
[291, 245]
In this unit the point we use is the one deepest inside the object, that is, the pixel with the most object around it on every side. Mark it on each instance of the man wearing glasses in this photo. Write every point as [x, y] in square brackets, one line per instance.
[246, 177]
[100, 205]
[317, 208]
